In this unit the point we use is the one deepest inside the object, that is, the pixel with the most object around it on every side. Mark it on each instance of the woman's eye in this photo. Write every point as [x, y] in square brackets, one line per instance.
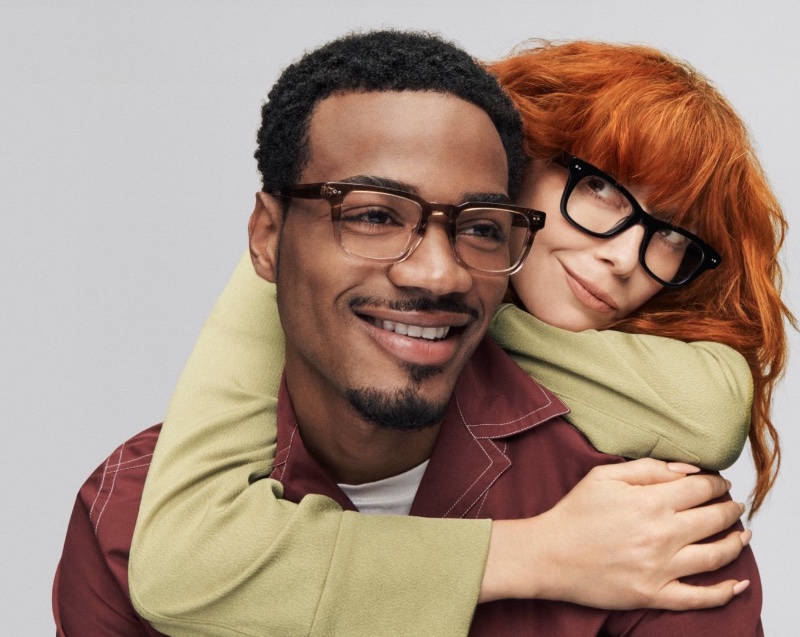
[596, 184]
[604, 190]
[674, 239]
[603, 194]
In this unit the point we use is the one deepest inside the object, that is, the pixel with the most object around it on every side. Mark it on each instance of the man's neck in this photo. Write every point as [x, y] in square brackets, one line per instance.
[352, 449]
[363, 452]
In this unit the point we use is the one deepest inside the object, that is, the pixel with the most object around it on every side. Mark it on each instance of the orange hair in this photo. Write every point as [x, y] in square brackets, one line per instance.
[651, 120]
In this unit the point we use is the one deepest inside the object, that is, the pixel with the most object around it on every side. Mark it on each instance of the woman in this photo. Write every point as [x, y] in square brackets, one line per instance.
[658, 128]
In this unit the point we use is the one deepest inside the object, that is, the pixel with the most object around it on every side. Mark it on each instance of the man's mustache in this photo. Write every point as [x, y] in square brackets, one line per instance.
[419, 303]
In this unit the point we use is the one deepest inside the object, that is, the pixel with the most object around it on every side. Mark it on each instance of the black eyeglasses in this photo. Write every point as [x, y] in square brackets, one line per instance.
[384, 225]
[596, 204]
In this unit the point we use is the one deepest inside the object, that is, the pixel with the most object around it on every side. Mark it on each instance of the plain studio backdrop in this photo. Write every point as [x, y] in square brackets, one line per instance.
[127, 131]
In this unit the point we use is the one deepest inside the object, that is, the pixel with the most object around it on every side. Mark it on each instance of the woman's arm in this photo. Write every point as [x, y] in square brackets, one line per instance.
[255, 555]
[638, 395]
[217, 552]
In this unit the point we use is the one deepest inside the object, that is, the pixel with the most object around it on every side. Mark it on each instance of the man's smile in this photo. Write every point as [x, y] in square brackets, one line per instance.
[414, 331]
[421, 328]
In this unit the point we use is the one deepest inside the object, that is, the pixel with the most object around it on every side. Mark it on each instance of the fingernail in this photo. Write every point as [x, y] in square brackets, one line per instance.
[746, 537]
[741, 586]
[728, 484]
[682, 467]
[742, 506]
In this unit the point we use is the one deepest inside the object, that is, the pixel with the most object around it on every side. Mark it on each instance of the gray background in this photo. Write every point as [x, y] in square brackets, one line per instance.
[126, 133]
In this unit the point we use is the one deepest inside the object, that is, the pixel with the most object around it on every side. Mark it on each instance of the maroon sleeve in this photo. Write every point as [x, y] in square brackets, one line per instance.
[740, 618]
[90, 592]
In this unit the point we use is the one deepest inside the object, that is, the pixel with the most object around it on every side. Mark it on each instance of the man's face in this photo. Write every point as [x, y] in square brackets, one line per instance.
[368, 335]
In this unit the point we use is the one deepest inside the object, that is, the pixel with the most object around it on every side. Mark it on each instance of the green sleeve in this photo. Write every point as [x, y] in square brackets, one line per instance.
[638, 395]
[217, 552]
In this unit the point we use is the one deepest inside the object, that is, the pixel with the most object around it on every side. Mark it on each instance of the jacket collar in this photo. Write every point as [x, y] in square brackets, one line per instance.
[493, 400]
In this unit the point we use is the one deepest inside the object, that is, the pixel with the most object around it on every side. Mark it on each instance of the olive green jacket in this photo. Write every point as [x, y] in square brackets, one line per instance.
[217, 552]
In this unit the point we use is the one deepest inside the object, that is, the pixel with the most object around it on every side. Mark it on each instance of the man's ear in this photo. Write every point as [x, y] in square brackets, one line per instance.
[264, 230]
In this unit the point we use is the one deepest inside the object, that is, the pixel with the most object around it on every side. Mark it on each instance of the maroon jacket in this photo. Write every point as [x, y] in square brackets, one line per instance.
[504, 452]
[90, 593]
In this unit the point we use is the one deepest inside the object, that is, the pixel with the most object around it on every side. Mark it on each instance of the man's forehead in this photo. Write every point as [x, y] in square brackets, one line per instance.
[411, 138]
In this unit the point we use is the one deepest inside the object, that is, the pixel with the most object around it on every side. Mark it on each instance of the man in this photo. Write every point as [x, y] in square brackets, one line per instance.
[363, 404]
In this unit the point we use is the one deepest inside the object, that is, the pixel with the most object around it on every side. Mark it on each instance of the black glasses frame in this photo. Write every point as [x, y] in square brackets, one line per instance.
[579, 169]
[334, 193]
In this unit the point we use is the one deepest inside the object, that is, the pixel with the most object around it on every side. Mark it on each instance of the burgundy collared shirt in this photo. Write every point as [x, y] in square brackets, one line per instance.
[505, 452]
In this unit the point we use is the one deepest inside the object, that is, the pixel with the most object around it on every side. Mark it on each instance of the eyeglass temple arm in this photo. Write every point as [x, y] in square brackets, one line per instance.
[304, 191]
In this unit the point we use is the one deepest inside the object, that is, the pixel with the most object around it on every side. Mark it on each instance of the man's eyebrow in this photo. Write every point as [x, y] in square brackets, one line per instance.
[384, 182]
[487, 197]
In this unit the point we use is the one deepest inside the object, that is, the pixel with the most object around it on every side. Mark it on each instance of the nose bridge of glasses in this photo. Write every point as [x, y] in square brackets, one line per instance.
[443, 212]
[440, 214]
[433, 257]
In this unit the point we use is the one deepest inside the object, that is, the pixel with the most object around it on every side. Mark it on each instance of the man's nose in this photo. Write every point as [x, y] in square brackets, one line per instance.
[432, 267]
[622, 250]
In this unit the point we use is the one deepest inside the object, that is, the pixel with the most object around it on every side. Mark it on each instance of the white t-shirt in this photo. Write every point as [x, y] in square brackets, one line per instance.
[390, 496]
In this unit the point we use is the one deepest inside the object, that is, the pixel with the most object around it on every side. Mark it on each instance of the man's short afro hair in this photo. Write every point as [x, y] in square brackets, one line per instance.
[386, 60]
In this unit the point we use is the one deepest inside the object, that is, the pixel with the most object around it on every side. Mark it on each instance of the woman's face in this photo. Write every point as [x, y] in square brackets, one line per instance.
[572, 280]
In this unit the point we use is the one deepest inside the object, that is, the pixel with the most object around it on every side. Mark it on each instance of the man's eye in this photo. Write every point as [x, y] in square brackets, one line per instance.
[482, 230]
[370, 215]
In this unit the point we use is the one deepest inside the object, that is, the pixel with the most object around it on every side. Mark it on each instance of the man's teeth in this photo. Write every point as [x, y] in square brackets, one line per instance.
[416, 331]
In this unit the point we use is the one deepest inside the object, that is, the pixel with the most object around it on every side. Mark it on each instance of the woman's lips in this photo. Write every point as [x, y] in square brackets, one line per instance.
[586, 295]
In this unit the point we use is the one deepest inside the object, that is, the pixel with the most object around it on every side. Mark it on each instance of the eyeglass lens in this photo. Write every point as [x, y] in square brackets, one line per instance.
[377, 225]
[598, 206]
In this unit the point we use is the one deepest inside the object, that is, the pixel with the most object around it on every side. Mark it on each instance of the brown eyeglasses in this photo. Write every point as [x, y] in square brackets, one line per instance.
[384, 225]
